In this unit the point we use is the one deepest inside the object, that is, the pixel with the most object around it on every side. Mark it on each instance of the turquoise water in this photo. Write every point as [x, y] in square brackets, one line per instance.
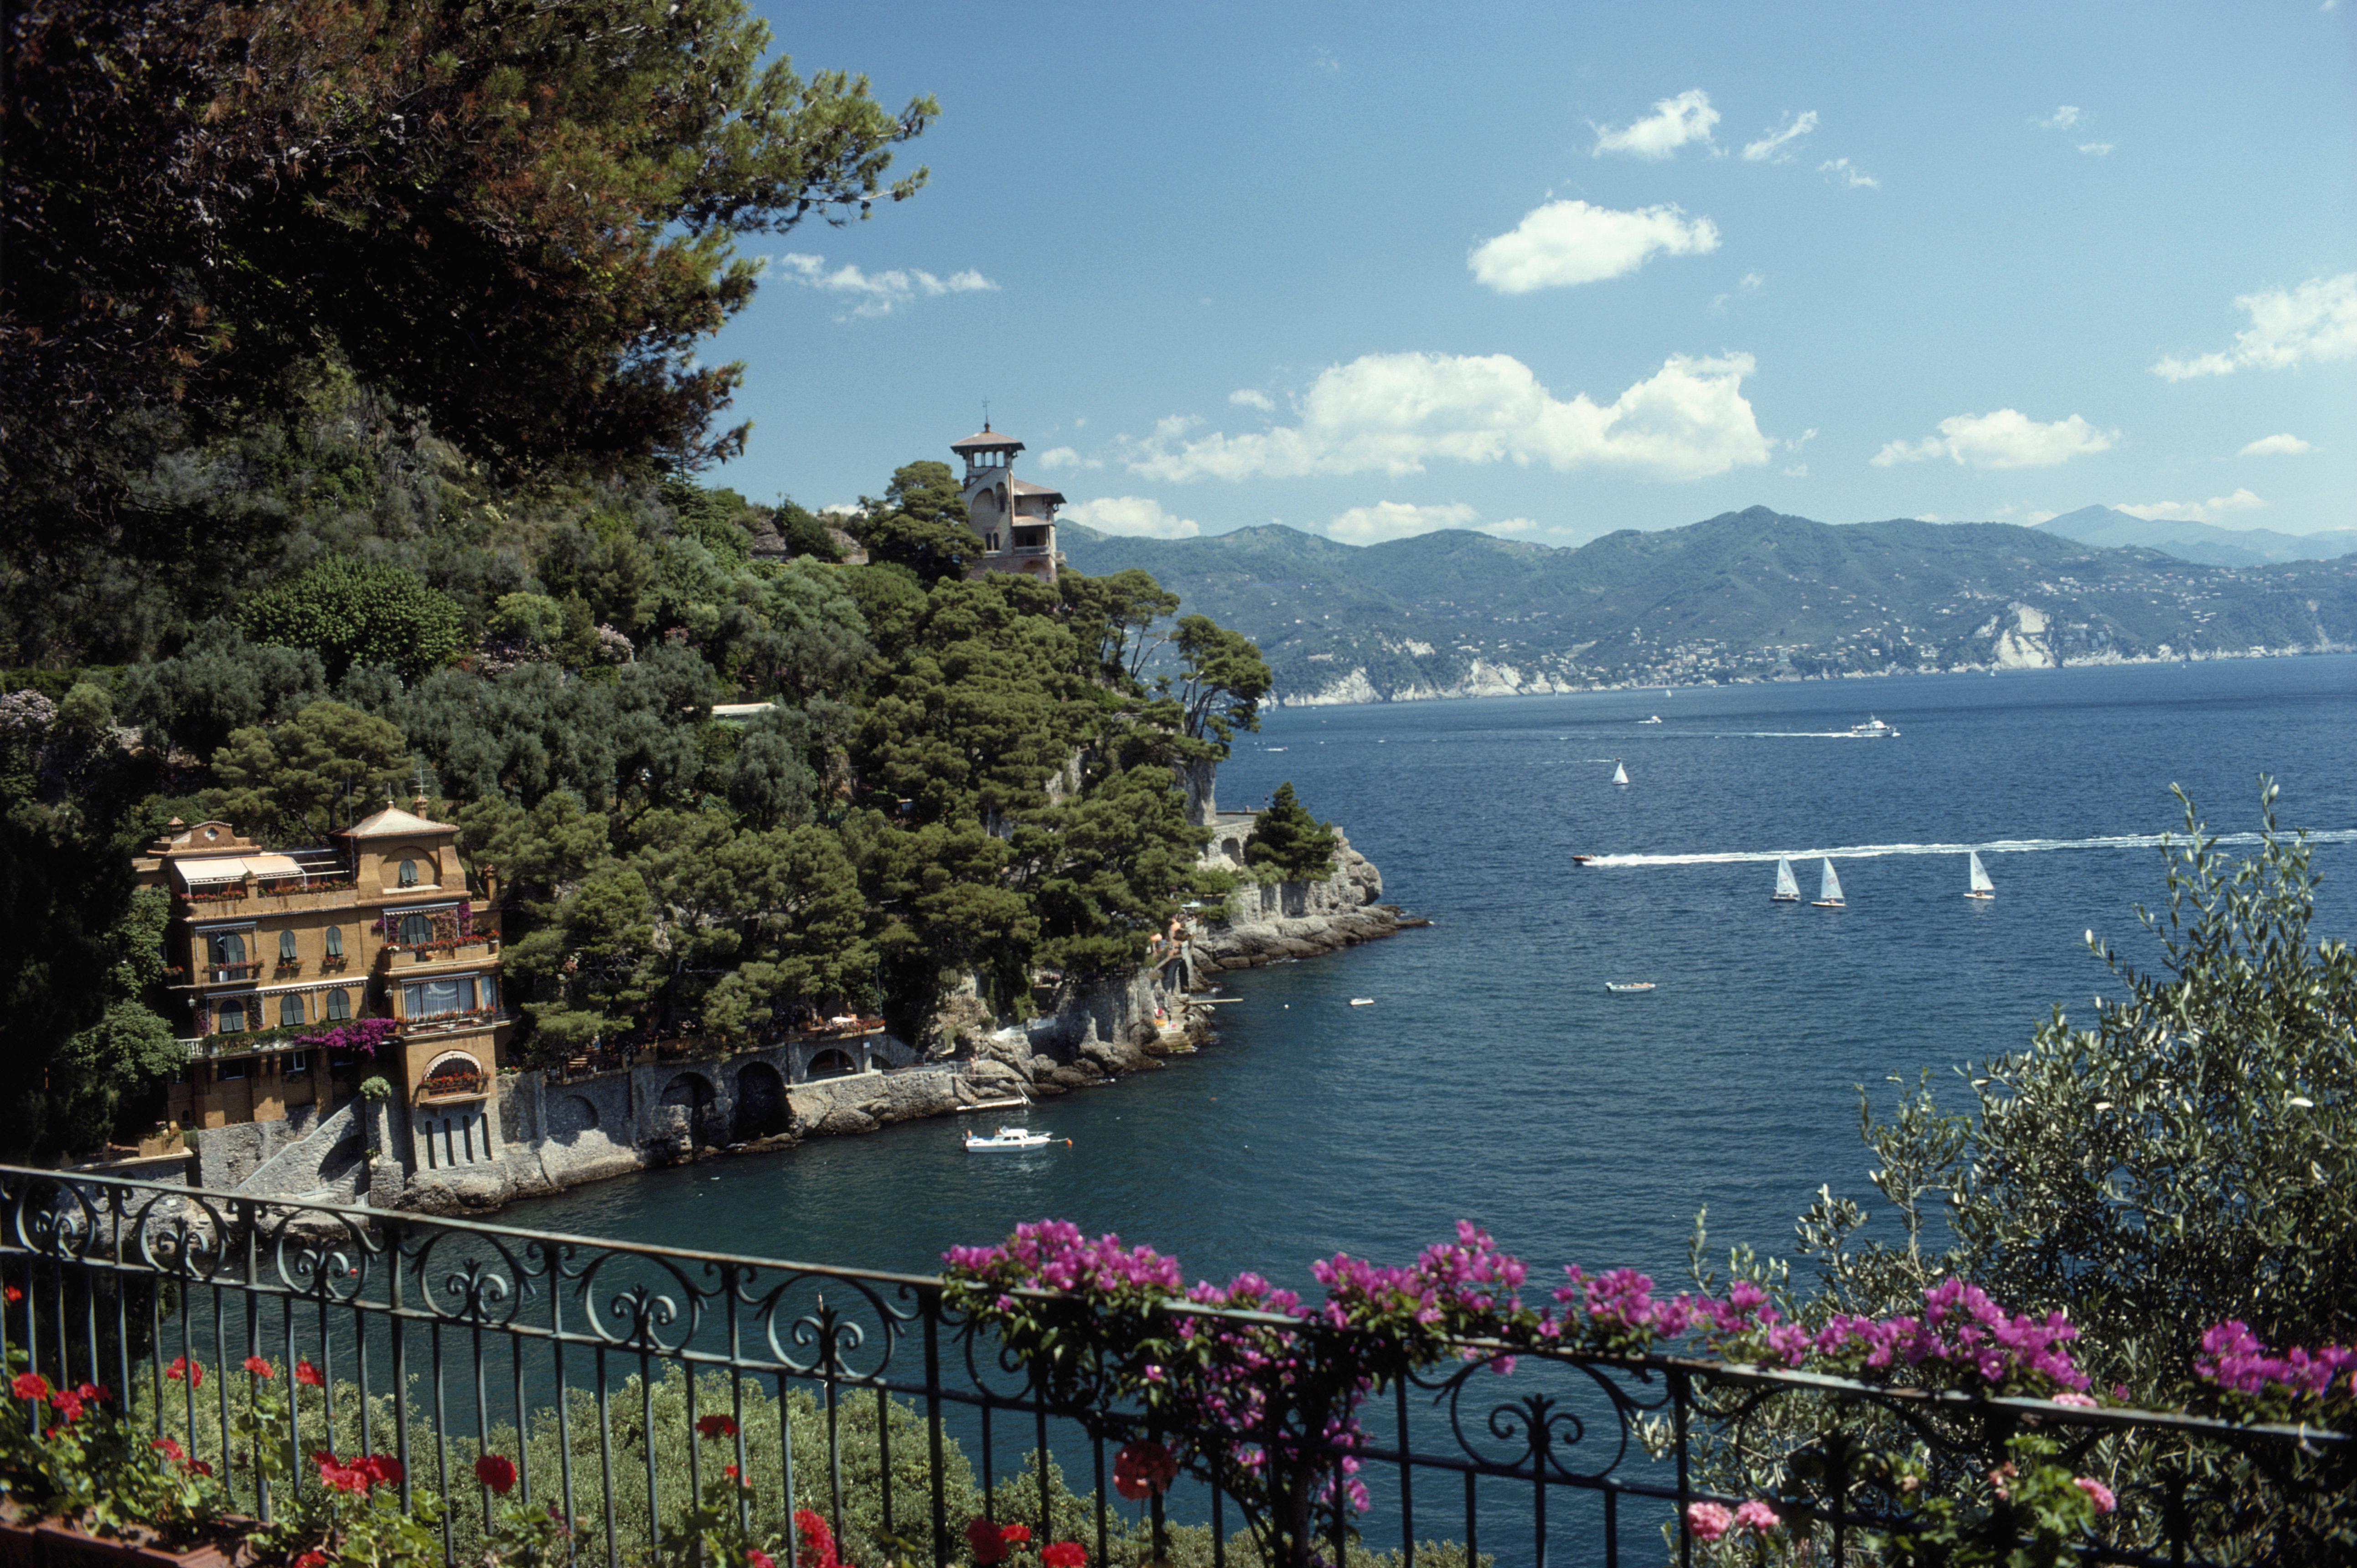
[1493, 1078]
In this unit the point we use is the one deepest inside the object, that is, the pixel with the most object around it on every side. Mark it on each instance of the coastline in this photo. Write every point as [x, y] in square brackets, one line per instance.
[548, 1133]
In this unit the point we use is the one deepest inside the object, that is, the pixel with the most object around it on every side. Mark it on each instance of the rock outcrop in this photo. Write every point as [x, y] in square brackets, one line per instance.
[1271, 922]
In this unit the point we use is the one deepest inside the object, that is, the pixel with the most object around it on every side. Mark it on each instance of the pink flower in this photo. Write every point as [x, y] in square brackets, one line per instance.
[1757, 1515]
[2099, 1493]
[1708, 1520]
[2075, 1400]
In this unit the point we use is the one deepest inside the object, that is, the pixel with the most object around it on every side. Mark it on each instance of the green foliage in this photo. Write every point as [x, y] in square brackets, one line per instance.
[350, 612]
[2190, 1158]
[920, 523]
[321, 769]
[374, 1088]
[217, 682]
[1291, 843]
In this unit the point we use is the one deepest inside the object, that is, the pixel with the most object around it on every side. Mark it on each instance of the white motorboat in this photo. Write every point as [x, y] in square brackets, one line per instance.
[1627, 987]
[1011, 1138]
[1873, 729]
[1362, 1001]
[1654, 720]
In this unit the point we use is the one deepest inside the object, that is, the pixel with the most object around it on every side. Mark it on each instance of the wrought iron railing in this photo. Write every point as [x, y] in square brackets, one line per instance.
[622, 1378]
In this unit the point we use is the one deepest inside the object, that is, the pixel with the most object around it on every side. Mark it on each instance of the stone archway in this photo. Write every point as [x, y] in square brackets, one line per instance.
[833, 1062]
[690, 1098]
[761, 1108]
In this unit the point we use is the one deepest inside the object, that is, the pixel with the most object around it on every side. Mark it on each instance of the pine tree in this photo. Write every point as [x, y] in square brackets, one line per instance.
[1290, 842]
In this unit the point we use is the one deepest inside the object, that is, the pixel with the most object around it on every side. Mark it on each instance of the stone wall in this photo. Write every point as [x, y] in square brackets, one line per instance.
[1268, 922]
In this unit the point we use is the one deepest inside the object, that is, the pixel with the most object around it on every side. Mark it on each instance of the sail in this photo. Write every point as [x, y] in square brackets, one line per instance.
[1980, 879]
[1830, 888]
[1787, 885]
[1620, 774]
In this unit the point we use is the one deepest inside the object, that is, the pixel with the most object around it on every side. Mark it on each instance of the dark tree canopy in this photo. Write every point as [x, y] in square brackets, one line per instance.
[1289, 842]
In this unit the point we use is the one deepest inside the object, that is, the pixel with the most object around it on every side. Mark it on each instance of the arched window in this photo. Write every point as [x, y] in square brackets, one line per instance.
[287, 953]
[339, 1005]
[409, 874]
[334, 941]
[228, 947]
[290, 1010]
[417, 930]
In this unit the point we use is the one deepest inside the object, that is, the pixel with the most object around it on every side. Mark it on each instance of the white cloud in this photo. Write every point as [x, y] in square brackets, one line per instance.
[875, 293]
[2096, 149]
[2006, 439]
[1396, 519]
[1393, 413]
[1842, 172]
[2035, 518]
[2284, 445]
[1771, 146]
[2210, 511]
[1753, 283]
[1673, 122]
[1246, 397]
[1067, 457]
[2318, 320]
[2062, 119]
[1567, 242]
[1136, 515]
[1518, 528]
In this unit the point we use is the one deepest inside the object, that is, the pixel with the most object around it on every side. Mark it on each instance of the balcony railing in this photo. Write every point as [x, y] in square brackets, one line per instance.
[222, 973]
[636, 1372]
[459, 1085]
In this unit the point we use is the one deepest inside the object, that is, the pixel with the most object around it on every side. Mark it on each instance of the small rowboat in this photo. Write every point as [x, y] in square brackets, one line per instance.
[1623, 987]
[1362, 1001]
[1010, 1138]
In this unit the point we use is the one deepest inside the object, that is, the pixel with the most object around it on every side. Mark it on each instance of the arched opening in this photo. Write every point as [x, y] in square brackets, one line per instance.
[761, 1109]
[693, 1094]
[453, 1075]
[833, 1062]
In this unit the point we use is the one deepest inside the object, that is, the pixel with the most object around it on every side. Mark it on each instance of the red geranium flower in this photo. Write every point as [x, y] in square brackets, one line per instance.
[382, 1469]
[309, 1375]
[989, 1546]
[336, 1476]
[496, 1471]
[757, 1557]
[1065, 1554]
[13, 1294]
[30, 1386]
[260, 1367]
[1142, 1468]
[1015, 1534]
[198, 1467]
[817, 1549]
[171, 1449]
[182, 1368]
[718, 1426]
[69, 1404]
[312, 1559]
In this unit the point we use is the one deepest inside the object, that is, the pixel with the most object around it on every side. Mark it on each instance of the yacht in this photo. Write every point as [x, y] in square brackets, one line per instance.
[1010, 1138]
[1873, 729]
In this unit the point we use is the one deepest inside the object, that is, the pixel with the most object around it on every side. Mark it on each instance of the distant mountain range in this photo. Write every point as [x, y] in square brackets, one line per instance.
[1750, 596]
[2201, 542]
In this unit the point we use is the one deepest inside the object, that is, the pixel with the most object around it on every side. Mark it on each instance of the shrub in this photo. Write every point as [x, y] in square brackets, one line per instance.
[357, 612]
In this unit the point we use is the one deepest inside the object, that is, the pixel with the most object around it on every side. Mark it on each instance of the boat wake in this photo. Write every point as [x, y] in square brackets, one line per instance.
[1986, 846]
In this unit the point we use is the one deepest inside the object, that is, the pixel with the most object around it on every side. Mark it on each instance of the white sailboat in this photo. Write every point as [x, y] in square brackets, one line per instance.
[1829, 893]
[1980, 886]
[1620, 774]
[1788, 886]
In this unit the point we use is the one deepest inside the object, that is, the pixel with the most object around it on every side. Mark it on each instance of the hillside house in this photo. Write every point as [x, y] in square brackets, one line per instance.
[1016, 519]
[370, 956]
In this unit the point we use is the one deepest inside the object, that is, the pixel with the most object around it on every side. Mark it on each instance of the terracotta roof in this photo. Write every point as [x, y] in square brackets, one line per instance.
[986, 438]
[394, 822]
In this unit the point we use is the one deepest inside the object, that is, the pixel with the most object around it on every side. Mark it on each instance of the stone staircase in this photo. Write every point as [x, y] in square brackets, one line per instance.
[326, 1164]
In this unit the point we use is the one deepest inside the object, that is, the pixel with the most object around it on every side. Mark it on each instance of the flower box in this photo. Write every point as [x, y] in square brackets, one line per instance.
[50, 1543]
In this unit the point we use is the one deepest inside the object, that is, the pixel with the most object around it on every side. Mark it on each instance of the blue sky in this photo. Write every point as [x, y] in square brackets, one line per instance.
[1552, 271]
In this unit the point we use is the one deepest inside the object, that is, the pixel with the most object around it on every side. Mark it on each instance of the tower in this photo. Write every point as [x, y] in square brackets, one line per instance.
[1016, 519]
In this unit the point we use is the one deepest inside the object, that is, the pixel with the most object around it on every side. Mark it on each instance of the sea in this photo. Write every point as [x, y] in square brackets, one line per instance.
[1491, 1077]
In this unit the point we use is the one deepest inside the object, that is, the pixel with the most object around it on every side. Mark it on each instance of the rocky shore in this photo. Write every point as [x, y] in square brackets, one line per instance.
[1275, 921]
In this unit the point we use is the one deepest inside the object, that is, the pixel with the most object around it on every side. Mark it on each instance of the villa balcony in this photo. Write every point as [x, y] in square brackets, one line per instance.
[454, 1086]
[229, 973]
[1519, 1454]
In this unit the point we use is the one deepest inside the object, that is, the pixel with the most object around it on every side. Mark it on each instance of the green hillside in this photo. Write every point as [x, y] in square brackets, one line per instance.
[1746, 595]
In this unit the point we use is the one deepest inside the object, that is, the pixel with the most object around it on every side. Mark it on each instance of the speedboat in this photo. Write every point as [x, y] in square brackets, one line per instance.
[1583, 859]
[1624, 987]
[1654, 720]
[1873, 729]
[1010, 1138]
